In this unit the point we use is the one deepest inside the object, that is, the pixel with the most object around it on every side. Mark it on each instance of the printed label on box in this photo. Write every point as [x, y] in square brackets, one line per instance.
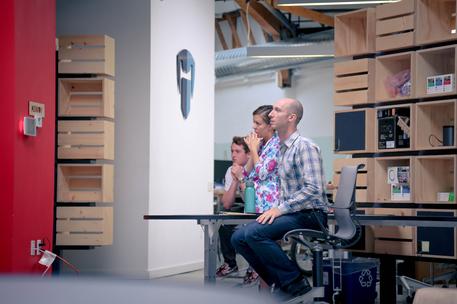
[430, 85]
[440, 84]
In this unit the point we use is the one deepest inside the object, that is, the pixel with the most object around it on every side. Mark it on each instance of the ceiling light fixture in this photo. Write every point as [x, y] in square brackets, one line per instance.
[307, 50]
[327, 2]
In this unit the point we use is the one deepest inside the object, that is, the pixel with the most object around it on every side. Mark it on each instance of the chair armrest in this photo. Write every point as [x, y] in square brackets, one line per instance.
[305, 233]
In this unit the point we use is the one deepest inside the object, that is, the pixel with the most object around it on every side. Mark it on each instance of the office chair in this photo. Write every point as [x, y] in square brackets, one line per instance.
[347, 232]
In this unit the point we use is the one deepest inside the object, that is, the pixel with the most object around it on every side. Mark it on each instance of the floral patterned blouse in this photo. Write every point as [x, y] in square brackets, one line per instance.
[265, 176]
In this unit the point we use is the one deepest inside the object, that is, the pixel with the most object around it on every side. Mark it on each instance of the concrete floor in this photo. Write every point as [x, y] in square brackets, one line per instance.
[195, 278]
[234, 282]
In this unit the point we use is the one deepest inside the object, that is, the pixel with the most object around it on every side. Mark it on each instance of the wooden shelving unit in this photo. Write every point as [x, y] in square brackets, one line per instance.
[365, 188]
[388, 70]
[436, 242]
[394, 239]
[435, 21]
[354, 82]
[413, 41]
[395, 25]
[84, 226]
[431, 117]
[354, 33]
[433, 174]
[382, 189]
[91, 54]
[350, 139]
[85, 141]
[85, 183]
[434, 62]
[88, 97]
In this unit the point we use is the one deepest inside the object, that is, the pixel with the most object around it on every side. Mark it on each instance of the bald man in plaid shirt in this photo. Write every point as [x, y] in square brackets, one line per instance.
[302, 204]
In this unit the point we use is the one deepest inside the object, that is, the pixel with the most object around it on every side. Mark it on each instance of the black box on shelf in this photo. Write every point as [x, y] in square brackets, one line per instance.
[393, 129]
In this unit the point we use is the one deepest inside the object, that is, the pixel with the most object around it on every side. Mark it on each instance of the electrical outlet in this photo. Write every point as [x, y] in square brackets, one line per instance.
[425, 246]
[35, 247]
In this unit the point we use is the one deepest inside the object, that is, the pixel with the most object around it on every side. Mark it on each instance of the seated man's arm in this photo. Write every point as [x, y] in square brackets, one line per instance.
[229, 196]
[231, 187]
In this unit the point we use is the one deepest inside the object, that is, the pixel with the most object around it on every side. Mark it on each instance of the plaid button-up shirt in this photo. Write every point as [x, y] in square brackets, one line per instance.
[302, 175]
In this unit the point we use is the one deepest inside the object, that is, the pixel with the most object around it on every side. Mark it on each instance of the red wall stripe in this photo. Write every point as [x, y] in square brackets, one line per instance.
[29, 177]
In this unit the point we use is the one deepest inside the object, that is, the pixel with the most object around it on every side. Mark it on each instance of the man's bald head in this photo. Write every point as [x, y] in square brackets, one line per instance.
[293, 106]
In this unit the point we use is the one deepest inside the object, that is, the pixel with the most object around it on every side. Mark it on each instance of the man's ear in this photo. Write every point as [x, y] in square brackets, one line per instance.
[292, 117]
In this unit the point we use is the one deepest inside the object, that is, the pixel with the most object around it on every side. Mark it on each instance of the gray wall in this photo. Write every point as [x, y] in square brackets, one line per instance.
[128, 22]
[237, 98]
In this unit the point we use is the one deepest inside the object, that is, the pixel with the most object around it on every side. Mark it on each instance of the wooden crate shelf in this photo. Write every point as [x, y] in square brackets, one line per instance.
[354, 131]
[399, 140]
[394, 232]
[85, 139]
[84, 226]
[395, 25]
[354, 82]
[366, 242]
[434, 62]
[431, 117]
[382, 189]
[435, 21]
[387, 69]
[433, 174]
[436, 242]
[365, 188]
[85, 183]
[394, 247]
[355, 32]
[88, 97]
[86, 55]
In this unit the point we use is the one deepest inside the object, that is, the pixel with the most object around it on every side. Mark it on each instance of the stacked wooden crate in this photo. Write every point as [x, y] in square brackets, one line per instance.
[85, 141]
[373, 47]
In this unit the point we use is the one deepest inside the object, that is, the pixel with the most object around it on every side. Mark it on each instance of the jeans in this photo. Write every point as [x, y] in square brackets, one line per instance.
[228, 252]
[257, 244]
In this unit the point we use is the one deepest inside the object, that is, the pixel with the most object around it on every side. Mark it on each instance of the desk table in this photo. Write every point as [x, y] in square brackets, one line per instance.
[212, 222]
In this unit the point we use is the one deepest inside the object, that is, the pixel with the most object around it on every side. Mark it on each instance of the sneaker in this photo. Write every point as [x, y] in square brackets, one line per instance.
[251, 277]
[298, 287]
[225, 270]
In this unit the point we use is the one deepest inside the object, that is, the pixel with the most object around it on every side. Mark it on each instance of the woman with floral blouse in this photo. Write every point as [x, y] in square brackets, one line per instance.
[262, 167]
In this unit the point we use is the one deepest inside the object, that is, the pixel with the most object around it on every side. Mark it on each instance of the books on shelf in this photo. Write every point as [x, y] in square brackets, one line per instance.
[398, 179]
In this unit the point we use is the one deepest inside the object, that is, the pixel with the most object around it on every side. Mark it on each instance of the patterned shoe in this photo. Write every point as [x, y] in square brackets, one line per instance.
[251, 277]
[225, 270]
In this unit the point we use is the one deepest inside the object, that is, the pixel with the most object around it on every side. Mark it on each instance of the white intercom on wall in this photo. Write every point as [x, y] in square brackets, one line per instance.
[35, 120]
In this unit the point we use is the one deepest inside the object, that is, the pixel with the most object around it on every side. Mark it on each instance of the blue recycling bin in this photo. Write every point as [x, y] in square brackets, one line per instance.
[358, 281]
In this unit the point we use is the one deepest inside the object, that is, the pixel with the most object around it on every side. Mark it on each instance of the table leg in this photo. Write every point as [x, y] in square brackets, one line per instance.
[388, 284]
[210, 255]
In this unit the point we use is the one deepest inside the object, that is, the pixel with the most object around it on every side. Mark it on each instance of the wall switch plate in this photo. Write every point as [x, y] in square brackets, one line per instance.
[35, 247]
[36, 109]
[425, 246]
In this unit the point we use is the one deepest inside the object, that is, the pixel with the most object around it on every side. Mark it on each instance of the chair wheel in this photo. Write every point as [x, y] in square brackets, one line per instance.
[409, 300]
[303, 257]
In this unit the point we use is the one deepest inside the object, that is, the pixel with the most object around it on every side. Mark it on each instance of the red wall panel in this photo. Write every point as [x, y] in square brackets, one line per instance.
[29, 178]
[7, 101]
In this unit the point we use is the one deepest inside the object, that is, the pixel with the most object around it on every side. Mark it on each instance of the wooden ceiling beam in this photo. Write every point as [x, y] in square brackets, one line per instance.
[232, 20]
[221, 35]
[308, 14]
[262, 16]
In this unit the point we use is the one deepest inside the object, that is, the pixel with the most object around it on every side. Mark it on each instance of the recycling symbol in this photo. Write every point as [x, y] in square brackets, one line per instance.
[365, 278]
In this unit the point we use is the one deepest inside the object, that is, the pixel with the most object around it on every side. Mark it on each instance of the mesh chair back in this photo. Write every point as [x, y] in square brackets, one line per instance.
[344, 203]
[346, 188]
